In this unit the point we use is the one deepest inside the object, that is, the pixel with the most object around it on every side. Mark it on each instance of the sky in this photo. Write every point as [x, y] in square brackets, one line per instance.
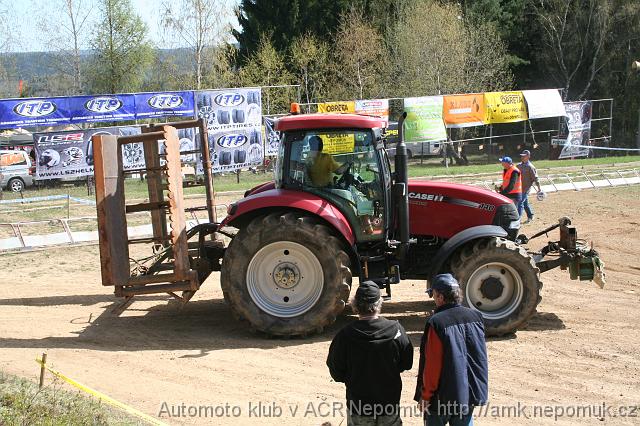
[27, 33]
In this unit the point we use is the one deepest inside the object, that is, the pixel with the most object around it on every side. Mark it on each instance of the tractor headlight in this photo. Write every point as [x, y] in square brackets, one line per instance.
[507, 218]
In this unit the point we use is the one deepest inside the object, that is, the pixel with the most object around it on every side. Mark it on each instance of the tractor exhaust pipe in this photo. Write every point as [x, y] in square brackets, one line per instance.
[401, 190]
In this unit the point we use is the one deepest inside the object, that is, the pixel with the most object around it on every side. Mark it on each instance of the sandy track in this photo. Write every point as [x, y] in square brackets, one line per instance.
[582, 348]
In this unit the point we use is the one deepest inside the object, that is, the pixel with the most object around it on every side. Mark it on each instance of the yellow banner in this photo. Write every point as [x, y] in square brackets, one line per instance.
[338, 143]
[505, 107]
[337, 107]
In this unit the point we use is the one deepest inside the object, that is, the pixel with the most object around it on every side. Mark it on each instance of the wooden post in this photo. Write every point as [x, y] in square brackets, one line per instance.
[42, 369]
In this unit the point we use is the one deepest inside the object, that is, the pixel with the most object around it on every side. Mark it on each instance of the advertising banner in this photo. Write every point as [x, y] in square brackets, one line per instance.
[578, 131]
[464, 110]
[87, 109]
[34, 112]
[70, 154]
[374, 107]
[164, 104]
[424, 119]
[505, 107]
[272, 137]
[544, 103]
[234, 123]
[337, 107]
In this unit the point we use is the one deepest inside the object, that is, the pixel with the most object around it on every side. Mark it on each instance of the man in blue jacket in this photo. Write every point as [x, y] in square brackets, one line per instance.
[453, 370]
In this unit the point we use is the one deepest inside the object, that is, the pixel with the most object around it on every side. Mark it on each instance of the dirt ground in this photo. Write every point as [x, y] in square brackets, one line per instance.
[581, 350]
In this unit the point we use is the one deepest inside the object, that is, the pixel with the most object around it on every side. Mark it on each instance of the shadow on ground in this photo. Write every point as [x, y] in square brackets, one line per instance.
[206, 326]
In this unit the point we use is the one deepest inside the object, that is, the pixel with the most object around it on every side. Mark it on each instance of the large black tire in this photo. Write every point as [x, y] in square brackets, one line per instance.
[296, 240]
[498, 278]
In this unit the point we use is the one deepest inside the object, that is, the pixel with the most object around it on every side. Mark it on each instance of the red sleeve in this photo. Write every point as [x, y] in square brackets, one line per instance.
[433, 365]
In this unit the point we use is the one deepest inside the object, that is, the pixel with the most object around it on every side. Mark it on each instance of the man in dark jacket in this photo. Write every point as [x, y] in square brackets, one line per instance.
[368, 356]
[453, 370]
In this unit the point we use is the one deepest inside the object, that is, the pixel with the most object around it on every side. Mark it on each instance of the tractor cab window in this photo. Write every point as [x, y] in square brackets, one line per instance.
[342, 166]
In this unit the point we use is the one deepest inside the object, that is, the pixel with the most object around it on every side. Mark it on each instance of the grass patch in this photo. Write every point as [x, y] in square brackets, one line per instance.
[432, 166]
[136, 189]
[22, 403]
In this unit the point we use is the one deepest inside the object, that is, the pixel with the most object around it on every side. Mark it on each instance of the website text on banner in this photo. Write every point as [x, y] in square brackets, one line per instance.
[70, 154]
[91, 109]
[505, 107]
[234, 123]
[464, 110]
[424, 119]
[544, 103]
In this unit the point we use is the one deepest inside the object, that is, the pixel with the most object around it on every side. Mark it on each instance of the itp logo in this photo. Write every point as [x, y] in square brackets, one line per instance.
[103, 104]
[165, 101]
[229, 99]
[231, 141]
[34, 109]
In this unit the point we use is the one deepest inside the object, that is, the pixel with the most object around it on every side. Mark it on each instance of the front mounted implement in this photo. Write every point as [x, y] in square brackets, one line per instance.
[176, 264]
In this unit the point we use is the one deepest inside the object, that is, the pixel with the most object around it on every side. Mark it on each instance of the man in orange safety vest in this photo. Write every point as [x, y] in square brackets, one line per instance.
[511, 181]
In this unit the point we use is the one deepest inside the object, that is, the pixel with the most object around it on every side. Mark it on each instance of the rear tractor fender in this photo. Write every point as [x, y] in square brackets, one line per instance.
[242, 213]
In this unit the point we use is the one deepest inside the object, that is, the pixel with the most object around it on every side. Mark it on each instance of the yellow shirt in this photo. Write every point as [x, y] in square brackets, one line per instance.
[322, 168]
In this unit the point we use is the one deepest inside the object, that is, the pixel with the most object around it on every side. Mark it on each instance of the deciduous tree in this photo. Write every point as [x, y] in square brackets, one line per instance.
[201, 26]
[121, 52]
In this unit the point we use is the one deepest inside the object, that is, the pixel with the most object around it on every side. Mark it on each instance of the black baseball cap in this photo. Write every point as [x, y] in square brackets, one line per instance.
[368, 292]
[443, 282]
[525, 152]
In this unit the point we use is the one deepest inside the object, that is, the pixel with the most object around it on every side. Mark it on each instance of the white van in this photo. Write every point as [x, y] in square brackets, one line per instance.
[16, 170]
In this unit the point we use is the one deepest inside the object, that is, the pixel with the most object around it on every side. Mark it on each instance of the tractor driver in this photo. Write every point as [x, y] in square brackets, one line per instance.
[323, 165]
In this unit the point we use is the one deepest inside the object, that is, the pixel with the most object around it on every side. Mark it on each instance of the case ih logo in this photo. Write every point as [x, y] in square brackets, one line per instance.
[426, 197]
[68, 137]
[229, 99]
[103, 104]
[165, 101]
[231, 141]
[35, 109]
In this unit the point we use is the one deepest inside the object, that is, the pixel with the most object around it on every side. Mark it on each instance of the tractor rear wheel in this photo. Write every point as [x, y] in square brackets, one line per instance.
[501, 281]
[286, 275]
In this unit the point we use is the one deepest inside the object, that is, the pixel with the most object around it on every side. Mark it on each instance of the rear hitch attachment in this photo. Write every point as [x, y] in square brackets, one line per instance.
[569, 252]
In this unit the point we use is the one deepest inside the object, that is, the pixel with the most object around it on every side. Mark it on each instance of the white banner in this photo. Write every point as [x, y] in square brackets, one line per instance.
[375, 108]
[272, 144]
[544, 103]
[578, 122]
[69, 154]
[234, 122]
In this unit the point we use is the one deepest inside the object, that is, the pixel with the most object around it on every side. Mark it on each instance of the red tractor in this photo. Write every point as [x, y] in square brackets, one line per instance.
[303, 237]
[338, 209]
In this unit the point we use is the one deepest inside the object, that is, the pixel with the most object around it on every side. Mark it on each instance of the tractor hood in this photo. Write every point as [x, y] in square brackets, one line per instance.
[443, 209]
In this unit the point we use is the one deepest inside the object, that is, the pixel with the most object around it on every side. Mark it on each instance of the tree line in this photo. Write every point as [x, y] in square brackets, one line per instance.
[345, 49]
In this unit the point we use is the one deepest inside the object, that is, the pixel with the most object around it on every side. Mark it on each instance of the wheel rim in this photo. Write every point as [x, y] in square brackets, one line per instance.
[16, 186]
[495, 290]
[285, 279]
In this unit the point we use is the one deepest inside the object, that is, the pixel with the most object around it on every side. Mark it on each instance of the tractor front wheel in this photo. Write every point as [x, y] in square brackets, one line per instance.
[286, 275]
[501, 281]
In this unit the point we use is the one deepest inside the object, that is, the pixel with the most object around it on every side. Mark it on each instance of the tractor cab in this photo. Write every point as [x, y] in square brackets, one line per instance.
[341, 161]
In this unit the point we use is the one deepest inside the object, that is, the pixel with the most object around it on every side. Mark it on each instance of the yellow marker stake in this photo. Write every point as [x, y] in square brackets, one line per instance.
[102, 396]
